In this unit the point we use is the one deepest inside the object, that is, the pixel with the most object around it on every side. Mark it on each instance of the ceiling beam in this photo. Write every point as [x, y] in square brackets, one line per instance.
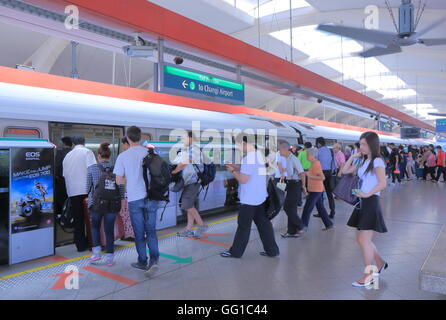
[273, 103]
[44, 57]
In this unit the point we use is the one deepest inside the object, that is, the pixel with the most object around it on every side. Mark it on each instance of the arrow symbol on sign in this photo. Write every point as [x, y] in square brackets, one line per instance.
[185, 84]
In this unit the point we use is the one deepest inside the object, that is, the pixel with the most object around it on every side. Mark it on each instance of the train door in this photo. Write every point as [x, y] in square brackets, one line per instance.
[94, 136]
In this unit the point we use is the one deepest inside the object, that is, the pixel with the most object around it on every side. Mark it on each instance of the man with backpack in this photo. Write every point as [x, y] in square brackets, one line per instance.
[143, 210]
[190, 163]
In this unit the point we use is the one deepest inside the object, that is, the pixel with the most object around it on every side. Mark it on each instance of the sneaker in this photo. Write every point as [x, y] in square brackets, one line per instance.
[200, 231]
[96, 256]
[289, 235]
[152, 269]
[109, 259]
[140, 266]
[185, 233]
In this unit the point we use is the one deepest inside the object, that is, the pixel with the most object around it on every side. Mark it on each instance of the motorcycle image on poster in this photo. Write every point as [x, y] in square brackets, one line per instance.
[31, 189]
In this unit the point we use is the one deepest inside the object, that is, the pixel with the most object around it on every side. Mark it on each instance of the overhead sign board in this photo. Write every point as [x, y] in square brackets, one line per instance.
[410, 133]
[441, 125]
[194, 84]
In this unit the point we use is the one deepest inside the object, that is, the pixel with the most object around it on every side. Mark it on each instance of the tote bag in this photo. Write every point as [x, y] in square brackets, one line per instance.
[344, 188]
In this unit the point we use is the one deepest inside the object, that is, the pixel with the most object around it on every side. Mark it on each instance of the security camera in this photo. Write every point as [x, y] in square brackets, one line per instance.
[178, 60]
[319, 100]
[138, 51]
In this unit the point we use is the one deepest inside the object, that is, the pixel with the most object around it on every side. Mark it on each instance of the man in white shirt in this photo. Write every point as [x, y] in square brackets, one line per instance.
[75, 166]
[129, 171]
[295, 184]
[188, 161]
[251, 174]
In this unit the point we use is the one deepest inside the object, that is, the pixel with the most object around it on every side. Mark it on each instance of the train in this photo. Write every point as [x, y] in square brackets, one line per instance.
[40, 113]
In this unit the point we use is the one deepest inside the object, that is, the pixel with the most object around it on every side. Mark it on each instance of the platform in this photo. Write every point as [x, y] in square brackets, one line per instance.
[320, 265]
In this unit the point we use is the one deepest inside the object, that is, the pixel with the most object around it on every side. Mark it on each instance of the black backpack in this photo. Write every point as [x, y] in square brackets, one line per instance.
[106, 196]
[160, 178]
[206, 176]
[66, 218]
[275, 200]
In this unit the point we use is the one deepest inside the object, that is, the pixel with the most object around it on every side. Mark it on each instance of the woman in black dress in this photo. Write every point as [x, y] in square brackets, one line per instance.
[367, 216]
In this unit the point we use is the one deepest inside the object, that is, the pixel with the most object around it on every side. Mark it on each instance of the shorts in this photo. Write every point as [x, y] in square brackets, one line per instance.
[189, 196]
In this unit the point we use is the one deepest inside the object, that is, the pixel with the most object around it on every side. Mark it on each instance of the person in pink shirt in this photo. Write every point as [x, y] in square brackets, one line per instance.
[339, 157]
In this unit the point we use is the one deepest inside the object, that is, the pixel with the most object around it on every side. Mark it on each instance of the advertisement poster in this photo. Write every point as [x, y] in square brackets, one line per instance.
[32, 197]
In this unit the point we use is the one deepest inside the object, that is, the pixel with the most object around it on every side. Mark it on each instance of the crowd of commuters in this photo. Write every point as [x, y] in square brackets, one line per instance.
[309, 173]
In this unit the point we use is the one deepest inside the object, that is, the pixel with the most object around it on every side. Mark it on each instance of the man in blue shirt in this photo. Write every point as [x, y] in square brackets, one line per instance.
[328, 164]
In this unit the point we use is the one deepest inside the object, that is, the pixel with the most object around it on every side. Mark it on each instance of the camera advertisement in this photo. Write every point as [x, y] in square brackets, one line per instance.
[31, 189]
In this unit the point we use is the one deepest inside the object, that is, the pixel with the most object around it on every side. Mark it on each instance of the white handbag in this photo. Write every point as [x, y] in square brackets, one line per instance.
[281, 185]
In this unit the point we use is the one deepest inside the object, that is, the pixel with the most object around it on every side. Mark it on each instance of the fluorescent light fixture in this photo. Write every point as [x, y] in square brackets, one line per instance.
[423, 110]
[314, 44]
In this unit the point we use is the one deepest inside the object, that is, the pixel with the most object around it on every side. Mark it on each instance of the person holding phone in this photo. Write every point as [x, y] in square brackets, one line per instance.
[251, 174]
[367, 217]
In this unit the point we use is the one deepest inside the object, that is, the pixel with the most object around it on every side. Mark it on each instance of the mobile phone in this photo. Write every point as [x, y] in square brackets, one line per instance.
[356, 191]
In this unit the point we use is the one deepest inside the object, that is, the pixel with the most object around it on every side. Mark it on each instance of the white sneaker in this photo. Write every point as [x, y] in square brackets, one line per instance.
[360, 285]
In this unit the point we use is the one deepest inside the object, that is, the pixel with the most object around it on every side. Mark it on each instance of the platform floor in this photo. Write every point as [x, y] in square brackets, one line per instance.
[320, 265]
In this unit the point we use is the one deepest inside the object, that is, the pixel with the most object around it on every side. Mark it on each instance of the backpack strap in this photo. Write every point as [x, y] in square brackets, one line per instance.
[333, 161]
[145, 176]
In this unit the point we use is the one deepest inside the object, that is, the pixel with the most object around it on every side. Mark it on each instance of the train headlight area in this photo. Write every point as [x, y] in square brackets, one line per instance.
[214, 155]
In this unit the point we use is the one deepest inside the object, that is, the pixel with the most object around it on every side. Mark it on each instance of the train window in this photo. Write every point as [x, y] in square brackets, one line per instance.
[166, 137]
[330, 142]
[306, 126]
[21, 132]
[146, 136]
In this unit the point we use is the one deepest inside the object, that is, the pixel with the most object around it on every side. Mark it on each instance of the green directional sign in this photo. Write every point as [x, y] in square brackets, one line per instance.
[195, 84]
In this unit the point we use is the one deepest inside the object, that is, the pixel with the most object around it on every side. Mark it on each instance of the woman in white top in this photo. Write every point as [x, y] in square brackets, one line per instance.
[251, 174]
[367, 217]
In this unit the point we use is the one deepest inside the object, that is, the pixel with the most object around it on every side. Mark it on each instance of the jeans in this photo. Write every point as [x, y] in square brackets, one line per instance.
[315, 199]
[246, 215]
[109, 227]
[143, 218]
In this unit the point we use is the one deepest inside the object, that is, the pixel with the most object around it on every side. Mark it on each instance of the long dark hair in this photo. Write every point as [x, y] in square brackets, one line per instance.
[372, 140]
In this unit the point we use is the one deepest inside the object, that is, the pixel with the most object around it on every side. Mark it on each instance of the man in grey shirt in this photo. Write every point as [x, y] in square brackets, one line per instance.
[142, 210]
[295, 184]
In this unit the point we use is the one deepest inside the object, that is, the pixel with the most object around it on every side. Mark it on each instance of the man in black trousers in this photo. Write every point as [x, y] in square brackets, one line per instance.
[295, 184]
[75, 167]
